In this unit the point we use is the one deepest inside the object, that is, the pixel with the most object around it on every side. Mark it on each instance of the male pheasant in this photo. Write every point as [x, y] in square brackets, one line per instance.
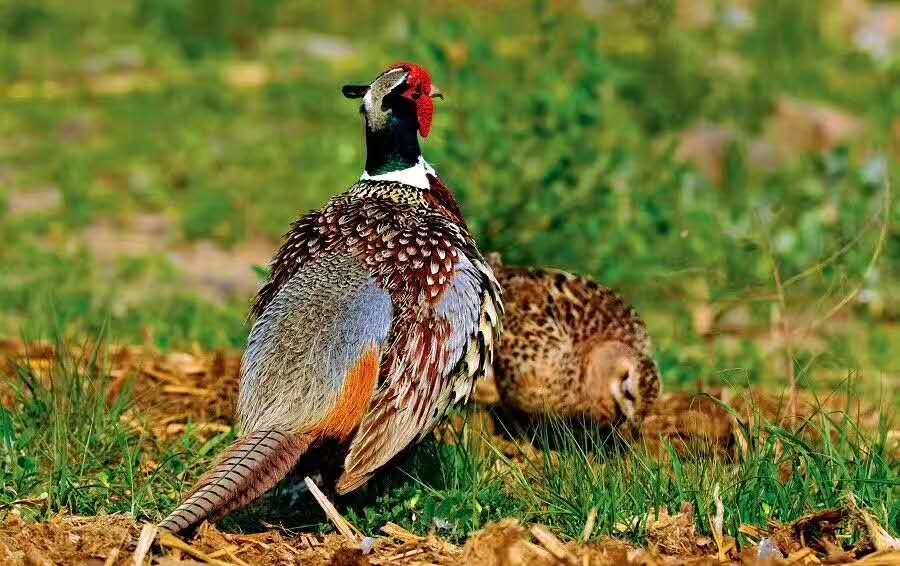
[572, 348]
[380, 312]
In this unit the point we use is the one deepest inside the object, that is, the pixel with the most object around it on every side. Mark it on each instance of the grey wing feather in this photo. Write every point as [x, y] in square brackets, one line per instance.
[473, 308]
[460, 306]
[430, 373]
[306, 341]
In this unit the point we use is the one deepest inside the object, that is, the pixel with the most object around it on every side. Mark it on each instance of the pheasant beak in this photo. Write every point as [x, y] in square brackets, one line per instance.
[355, 91]
[435, 92]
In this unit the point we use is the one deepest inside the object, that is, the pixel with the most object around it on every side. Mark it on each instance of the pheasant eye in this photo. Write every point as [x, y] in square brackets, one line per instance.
[626, 392]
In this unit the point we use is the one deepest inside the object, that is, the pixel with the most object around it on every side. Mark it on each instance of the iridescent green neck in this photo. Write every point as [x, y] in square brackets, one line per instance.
[393, 147]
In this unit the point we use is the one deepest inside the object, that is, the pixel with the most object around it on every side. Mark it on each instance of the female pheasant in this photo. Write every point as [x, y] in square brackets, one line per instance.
[572, 348]
[380, 312]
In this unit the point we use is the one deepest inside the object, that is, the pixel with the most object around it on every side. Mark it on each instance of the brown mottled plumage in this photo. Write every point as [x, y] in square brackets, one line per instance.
[571, 348]
[380, 312]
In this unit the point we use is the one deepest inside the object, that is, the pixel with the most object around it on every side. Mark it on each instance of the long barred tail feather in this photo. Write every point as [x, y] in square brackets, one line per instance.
[252, 465]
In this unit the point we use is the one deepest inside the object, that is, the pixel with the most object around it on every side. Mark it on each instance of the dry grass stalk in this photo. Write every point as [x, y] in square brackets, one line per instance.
[112, 557]
[396, 531]
[879, 248]
[881, 559]
[186, 390]
[717, 526]
[340, 523]
[549, 541]
[803, 556]
[169, 540]
[589, 525]
[178, 428]
[881, 539]
[231, 552]
[160, 375]
[786, 331]
[148, 533]
[404, 555]
[538, 551]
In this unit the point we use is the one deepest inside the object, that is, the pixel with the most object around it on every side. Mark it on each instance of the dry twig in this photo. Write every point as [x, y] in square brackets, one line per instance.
[340, 523]
[549, 541]
[148, 533]
[171, 541]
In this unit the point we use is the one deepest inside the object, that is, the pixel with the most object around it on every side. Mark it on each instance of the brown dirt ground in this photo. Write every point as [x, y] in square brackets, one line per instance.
[113, 540]
[181, 389]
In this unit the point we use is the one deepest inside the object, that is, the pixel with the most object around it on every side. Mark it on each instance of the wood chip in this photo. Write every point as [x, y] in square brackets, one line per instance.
[555, 546]
[176, 428]
[881, 539]
[253, 540]
[111, 557]
[171, 541]
[308, 541]
[223, 551]
[589, 525]
[148, 533]
[186, 390]
[803, 556]
[340, 523]
[891, 558]
[33, 557]
[751, 531]
[396, 531]
[544, 555]
[407, 554]
[160, 375]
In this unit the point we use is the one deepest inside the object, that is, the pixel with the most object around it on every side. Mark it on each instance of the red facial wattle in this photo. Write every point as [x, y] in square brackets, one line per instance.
[425, 112]
[419, 89]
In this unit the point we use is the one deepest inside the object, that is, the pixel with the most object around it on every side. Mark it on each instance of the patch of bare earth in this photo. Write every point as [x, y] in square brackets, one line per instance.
[214, 272]
[117, 539]
[24, 203]
[114, 540]
[219, 273]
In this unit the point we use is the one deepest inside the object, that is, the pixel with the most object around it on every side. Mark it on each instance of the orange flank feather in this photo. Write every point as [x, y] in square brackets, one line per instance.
[354, 400]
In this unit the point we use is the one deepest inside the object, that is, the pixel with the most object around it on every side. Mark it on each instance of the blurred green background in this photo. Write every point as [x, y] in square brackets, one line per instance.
[688, 153]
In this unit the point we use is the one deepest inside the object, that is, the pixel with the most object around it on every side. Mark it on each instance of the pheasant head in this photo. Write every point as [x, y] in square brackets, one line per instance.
[398, 107]
[621, 381]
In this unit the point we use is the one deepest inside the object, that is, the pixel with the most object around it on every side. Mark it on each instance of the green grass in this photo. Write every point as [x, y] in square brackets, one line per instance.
[69, 446]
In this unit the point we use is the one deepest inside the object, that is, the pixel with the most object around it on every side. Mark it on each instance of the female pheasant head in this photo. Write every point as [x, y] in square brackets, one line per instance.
[398, 107]
[631, 378]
